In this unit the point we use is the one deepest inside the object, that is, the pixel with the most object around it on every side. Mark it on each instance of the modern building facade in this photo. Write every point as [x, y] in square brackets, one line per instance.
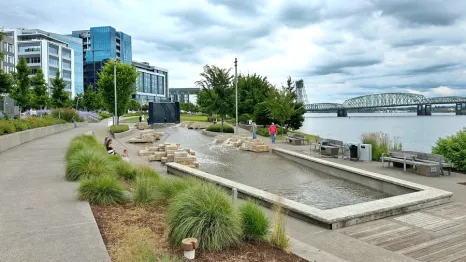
[151, 84]
[42, 50]
[8, 50]
[99, 45]
[182, 94]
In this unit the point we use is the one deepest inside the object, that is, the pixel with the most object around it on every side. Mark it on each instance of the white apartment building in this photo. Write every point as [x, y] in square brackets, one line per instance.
[41, 50]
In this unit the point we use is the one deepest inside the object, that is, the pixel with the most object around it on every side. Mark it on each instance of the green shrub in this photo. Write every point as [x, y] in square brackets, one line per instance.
[255, 222]
[244, 118]
[279, 237]
[19, 125]
[119, 128]
[146, 171]
[218, 127]
[88, 163]
[264, 131]
[66, 114]
[124, 169]
[145, 190]
[6, 116]
[171, 187]
[6, 127]
[102, 190]
[206, 213]
[35, 122]
[105, 115]
[453, 148]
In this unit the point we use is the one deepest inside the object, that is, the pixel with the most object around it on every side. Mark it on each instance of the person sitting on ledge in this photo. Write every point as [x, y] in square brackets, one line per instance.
[110, 149]
[106, 141]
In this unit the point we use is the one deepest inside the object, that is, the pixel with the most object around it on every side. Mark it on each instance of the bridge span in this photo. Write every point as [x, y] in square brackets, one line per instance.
[423, 104]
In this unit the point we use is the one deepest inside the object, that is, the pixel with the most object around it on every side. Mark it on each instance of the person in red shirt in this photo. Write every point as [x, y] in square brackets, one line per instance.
[273, 132]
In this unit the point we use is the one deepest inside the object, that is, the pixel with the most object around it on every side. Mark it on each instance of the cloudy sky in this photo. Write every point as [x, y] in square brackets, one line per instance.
[340, 48]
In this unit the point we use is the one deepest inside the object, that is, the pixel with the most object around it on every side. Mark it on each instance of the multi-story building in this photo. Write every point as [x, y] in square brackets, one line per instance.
[101, 44]
[8, 50]
[151, 84]
[42, 50]
[182, 94]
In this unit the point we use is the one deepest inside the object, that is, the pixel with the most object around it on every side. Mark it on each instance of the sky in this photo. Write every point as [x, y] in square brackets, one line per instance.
[341, 49]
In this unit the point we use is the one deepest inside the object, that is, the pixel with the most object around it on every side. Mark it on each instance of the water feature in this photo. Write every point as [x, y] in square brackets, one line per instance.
[273, 173]
[418, 133]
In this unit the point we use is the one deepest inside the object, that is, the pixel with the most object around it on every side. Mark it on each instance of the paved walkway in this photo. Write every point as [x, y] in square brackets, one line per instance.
[40, 218]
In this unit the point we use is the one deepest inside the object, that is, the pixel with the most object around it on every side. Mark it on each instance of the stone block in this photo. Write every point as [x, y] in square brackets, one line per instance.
[163, 159]
[260, 148]
[181, 154]
[155, 158]
[144, 152]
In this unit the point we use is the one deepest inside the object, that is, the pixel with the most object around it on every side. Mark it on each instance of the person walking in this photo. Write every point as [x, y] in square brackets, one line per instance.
[273, 132]
[74, 122]
[254, 130]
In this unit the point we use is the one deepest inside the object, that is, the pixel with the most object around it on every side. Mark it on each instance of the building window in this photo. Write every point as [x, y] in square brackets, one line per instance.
[66, 53]
[10, 48]
[4, 46]
[5, 69]
[67, 74]
[52, 72]
[5, 58]
[26, 49]
[53, 50]
[140, 83]
[33, 71]
[33, 60]
[68, 85]
[53, 61]
[66, 64]
[146, 83]
[11, 59]
[161, 85]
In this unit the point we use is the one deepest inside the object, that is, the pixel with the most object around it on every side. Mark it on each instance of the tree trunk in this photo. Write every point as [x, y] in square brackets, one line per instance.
[221, 129]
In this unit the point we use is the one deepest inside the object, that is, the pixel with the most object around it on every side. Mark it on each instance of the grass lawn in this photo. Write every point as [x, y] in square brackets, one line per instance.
[133, 119]
[193, 118]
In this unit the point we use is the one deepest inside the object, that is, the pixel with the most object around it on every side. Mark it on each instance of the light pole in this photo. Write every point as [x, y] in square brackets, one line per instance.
[115, 122]
[236, 96]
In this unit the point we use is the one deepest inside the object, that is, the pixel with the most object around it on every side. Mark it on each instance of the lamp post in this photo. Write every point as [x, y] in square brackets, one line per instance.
[115, 122]
[236, 95]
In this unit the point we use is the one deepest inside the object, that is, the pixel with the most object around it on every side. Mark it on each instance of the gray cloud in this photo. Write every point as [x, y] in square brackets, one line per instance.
[244, 7]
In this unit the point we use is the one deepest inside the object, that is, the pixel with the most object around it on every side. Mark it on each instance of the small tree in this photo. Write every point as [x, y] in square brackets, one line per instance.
[280, 105]
[6, 83]
[92, 100]
[21, 91]
[40, 96]
[60, 98]
[217, 90]
[126, 77]
[134, 105]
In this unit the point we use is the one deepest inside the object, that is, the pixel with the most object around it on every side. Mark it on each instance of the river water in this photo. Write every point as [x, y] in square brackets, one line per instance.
[417, 133]
[272, 173]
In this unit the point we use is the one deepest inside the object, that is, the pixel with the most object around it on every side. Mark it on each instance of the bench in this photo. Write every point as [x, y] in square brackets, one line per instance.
[294, 138]
[433, 158]
[423, 167]
[330, 147]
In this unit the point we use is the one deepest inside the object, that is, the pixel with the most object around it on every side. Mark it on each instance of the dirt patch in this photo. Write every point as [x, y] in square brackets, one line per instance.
[117, 222]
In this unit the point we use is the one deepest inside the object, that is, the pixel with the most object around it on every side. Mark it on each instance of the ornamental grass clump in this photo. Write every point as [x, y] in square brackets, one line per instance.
[124, 169]
[171, 187]
[102, 190]
[146, 171]
[145, 190]
[82, 142]
[206, 213]
[279, 237]
[88, 163]
[255, 222]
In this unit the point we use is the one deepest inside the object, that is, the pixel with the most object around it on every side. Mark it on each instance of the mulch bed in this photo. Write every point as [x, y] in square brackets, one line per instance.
[111, 219]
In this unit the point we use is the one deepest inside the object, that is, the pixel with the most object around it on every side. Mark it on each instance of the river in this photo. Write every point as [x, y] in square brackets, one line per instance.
[417, 133]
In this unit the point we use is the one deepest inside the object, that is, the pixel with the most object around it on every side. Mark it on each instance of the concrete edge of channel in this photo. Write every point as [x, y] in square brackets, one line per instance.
[311, 253]
[331, 218]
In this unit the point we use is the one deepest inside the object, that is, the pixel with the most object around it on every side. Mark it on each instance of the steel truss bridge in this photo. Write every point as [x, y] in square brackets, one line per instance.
[424, 105]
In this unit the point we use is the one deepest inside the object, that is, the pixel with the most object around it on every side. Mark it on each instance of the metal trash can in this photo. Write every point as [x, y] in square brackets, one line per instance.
[353, 152]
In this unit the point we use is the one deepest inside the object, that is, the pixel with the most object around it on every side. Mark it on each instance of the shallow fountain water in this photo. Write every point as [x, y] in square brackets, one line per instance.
[273, 173]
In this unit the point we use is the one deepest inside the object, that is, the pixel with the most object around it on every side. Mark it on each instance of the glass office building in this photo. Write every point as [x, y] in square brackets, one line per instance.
[151, 84]
[77, 44]
[100, 44]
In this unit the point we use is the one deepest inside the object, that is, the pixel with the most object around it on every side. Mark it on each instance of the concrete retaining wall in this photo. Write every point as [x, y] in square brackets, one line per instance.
[208, 133]
[359, 176]
[18, 138]
[131, 131]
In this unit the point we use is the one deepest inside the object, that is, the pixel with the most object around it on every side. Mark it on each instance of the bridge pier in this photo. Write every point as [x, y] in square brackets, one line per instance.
[342, 113]
[460, 109]
[424, 110]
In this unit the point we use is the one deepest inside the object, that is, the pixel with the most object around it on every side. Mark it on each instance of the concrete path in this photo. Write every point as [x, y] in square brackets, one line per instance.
[40, 217]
